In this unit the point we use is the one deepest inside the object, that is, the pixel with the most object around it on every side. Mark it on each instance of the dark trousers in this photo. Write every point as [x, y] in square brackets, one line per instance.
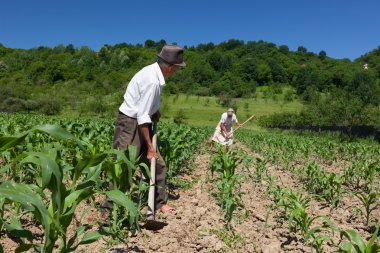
[127, 133]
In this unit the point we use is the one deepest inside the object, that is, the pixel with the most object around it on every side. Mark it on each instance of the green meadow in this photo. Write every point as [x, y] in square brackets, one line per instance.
[206, 111]
[200, 110]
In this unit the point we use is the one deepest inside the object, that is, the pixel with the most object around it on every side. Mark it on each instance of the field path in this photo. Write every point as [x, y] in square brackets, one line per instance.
[189, 230]
[199, 225]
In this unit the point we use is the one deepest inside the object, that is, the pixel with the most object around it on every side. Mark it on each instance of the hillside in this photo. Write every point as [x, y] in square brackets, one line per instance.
[83, 81]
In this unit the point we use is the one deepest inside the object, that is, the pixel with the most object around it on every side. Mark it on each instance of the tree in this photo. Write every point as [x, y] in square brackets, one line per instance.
[365, 86]
[231, 44]
[307, 77]
[278, 72]
[301, 50]
[59, 49]
[283, 49]
[160, 44]
[220, 62]
[231, 85]
[36, 70]
[104, 54]
[264, 74]
[70, 49]
[322, 55]
[206, 47]
[214, 59]
[344, 109]
[149, 44]
[3, 50]
[3, 67]
[248, 67]
[203, 74]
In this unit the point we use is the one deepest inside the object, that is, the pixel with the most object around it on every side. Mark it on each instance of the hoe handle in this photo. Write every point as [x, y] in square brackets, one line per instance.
[151, 213]
[241, 125]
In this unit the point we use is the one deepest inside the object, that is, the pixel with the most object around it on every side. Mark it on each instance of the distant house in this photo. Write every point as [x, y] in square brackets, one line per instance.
[365, 66]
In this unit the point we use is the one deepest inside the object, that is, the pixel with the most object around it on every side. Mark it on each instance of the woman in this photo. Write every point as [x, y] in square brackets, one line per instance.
[224, 132]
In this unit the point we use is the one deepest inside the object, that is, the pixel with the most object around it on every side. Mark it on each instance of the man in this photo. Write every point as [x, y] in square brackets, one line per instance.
[224, 132]
[140, 108]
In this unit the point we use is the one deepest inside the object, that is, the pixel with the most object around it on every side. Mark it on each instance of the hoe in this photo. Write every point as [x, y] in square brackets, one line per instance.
[151, 222]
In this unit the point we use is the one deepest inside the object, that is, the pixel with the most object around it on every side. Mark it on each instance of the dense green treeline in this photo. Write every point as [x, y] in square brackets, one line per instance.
[352, 102]
[49, 79]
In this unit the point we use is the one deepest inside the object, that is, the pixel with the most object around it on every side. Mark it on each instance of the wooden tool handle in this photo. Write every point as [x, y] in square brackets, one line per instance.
[241, 125]
[151, 197]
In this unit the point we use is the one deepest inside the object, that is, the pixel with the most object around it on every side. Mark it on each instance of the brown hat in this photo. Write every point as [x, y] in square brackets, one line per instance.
[172, 54]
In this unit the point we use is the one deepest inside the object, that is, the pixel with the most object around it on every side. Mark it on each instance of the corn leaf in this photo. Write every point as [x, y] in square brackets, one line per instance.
[90, 237]
[23, 248]
[21, 193]
[121, 199]
[355, 239]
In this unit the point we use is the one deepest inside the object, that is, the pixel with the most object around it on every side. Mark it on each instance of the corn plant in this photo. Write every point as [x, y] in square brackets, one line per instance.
[178, 146]
[295, 212]
[54, 226]
[352, 176]
[326, 185]
[260, 169]
[318, 241]
[84, 161]
[63, 198]
[248, 162]
[370, 202]
[2, 202]
[361, 175]
[356, 244]
[286, 159]
[229, 195]
[122, 173]
[334, 191]
[369, 174]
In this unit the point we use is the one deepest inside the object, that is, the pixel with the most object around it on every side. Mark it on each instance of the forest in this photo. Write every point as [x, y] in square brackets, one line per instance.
[335, 92]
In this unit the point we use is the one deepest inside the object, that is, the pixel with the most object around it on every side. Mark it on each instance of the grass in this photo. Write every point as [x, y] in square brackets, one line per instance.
[206, 111]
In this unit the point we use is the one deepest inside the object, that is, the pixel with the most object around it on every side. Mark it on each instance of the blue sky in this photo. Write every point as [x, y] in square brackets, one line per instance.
[343, 28]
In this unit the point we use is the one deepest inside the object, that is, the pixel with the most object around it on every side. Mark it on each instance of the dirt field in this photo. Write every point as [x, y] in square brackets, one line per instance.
[199, 225]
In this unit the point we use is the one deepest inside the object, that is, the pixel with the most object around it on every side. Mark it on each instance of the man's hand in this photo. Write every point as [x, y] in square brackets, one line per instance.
[229, 135]
[151, 154]
[156, 116]
[238, 124]
[144, 129]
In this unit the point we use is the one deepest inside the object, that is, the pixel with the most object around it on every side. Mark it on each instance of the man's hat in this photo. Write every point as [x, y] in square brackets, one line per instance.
[230, 111]
[172, 54]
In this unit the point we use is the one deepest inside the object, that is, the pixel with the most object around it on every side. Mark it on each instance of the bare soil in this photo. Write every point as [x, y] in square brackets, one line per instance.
[198, 225]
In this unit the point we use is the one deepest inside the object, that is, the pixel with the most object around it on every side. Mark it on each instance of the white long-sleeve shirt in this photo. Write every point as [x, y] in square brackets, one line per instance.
[142, 97]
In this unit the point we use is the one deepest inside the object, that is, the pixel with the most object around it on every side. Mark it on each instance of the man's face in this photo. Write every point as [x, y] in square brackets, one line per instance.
[171, 70]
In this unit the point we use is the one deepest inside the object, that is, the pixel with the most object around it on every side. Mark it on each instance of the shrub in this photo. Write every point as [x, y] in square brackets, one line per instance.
[180, 116]
[49, 106]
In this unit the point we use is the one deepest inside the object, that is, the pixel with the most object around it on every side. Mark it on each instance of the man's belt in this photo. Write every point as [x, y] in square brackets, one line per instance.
[121, 113]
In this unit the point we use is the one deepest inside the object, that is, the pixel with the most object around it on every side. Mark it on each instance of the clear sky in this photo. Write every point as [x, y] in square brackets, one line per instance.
[343, 28]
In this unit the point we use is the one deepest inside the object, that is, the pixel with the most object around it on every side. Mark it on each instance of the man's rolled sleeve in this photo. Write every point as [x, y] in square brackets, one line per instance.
[143, 119]
[146, 104]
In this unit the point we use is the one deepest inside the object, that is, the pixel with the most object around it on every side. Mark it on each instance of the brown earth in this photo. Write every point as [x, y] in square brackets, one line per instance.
[199, 226]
